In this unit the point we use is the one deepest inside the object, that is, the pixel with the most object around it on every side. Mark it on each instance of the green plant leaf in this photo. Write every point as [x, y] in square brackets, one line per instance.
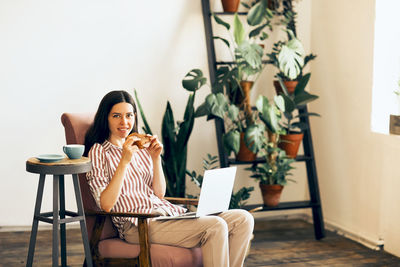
[304, 98]
[231, 141]
[222, 39]
[251, 54]
[290, 62]
[290, 105]
[257, 30]
[256, 14]
[201, 110]
[254, 137]
[301, 85]
[280, 102]
[233, 112]
[238, 30]
[221, 22]
[268, 114]
[146, 125]
[217, 104]
[186, 126]
[193, 80]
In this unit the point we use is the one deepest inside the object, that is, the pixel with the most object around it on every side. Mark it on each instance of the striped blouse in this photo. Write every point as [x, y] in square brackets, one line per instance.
[136, 193]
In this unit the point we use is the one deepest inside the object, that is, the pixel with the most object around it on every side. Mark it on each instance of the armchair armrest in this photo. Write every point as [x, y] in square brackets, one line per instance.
[184, 201]
[144, 254]
[122, 214]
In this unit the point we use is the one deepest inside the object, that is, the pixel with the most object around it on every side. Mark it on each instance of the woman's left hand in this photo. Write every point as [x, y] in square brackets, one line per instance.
[155, 147]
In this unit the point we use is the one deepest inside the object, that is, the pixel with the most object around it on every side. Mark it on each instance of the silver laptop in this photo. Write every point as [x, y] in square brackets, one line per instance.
[215, 194]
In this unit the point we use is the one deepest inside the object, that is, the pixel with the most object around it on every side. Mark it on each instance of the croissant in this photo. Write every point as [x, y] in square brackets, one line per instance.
[143, 142]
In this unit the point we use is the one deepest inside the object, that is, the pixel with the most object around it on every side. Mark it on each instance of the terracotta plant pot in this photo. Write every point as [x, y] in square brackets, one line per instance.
[290, 85]
[291, 143]
[394, 124]
[271, 194]
[230, 5]
[244, 154]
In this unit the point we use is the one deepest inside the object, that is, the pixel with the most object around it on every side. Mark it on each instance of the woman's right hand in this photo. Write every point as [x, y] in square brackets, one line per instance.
[128, 149]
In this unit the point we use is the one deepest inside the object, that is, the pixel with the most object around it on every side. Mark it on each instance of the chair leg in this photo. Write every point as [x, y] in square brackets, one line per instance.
[79, 204]
[38, 205]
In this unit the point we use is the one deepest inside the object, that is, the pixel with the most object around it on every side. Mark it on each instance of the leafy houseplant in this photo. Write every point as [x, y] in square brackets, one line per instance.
[175, 135]
[239, 126]
[293, 125]
[272, 174]
[237, 199]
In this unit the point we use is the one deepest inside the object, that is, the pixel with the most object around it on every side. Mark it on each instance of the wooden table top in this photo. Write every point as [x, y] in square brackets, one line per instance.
[65, 161]
[64, 166]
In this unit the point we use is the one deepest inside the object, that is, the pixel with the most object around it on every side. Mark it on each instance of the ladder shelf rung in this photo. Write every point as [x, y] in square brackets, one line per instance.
[262, 160]
[282, 206]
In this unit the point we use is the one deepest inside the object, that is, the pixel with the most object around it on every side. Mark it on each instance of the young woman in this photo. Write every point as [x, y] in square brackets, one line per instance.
[125, 178]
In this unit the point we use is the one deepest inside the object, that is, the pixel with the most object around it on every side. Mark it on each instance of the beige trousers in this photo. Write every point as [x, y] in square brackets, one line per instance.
[224, 239]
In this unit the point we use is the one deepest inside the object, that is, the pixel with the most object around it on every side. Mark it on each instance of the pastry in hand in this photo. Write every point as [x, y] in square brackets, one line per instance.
[143, 142]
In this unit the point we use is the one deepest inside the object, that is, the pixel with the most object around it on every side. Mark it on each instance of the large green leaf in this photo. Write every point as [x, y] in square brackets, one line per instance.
[193, 80]
[301, 85]
[290, 62]
[256, 14]
[291, 58]
[238, 30]
[231, 141]
[268, 114]
[186, 126]
[201, 110]
[304, 98]
[217, 104]
[233, 112]
[251, 54]
[254, 137]
[290, 105]
[146, 125]
[279, 102]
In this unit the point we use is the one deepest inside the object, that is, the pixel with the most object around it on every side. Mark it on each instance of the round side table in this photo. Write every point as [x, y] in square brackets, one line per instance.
[58, 216]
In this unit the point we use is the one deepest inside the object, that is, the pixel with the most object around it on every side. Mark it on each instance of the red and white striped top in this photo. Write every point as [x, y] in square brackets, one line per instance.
[136, 193]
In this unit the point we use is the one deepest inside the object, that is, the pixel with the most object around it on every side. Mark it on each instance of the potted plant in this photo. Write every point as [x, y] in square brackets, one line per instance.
[244, 135]
[272, 174]
[288, 56]
[292, 124]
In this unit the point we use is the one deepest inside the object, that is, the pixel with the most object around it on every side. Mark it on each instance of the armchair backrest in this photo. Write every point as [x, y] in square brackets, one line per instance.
[76, 125]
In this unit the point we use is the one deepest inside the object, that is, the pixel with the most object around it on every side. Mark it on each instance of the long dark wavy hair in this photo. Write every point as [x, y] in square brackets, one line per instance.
[99, 130]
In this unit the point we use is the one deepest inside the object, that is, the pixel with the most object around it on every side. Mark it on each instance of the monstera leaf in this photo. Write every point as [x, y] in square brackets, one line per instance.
[193, 80]
[291, 58]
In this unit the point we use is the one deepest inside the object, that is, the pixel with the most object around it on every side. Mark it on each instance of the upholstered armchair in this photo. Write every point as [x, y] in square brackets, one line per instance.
[107, 249]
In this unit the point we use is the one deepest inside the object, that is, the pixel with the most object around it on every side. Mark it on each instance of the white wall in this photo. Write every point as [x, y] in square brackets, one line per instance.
[358, 169]
[63, 56]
